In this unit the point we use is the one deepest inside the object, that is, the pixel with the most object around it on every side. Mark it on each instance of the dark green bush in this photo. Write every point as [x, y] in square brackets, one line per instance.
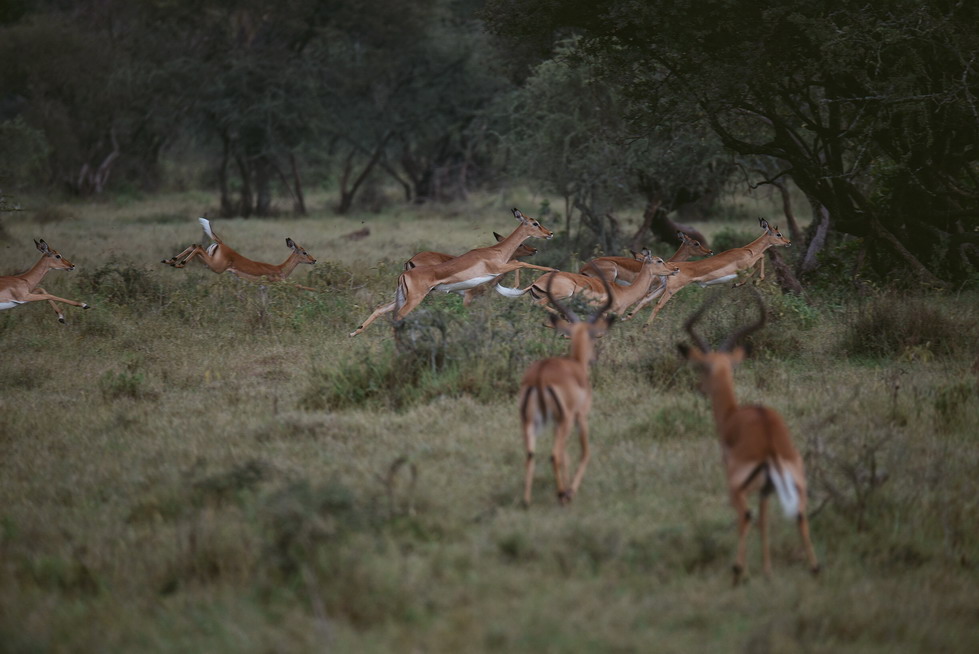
[892, 325]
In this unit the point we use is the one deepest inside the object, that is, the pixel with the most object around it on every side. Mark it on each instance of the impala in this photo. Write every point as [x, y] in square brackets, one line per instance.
[558, 389]
[432, 258]
[220, 258]
[19, 289]
[460, 273]
[757, 451]
[624, 270]
[565, 285]
[718, 269]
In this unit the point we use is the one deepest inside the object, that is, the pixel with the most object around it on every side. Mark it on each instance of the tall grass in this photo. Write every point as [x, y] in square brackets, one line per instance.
[197, 464]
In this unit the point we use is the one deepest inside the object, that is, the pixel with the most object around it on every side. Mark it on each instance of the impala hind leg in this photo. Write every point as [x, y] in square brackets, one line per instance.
[559, 459]
[530, 443]
[172, 261]
[766, 557]
[740, 569]
[585, 455]
[378, 312]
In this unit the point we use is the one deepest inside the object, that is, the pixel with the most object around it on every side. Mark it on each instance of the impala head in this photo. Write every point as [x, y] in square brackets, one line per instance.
[538, 230]
[595, 326]
[304, 256]
[523, 251]
[773, 232]
[718, 365]
[694, 245]
[658, 265]
[54, 259]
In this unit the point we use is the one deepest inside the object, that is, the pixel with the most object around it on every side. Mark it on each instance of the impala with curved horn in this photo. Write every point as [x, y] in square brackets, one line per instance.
[16, 290]
[558, 390]
[460, 273]
[757, 450]
[219, 257]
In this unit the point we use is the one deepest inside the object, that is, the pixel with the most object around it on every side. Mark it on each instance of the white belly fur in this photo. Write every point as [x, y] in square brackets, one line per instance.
[10, 304]
[719, 280]
[462, 286]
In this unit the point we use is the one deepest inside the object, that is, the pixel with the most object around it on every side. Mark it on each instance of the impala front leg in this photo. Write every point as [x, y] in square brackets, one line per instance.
[54, 305]
[514, 265]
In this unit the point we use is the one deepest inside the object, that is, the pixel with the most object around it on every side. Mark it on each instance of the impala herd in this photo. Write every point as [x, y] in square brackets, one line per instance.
[757, 450]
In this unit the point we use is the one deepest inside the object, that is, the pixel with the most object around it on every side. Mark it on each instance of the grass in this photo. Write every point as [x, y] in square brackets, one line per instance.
[195, 465]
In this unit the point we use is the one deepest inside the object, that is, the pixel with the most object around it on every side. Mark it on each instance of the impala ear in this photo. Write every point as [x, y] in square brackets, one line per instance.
[498, 237]
[42, 246]
[291, 243]
[684, 350]
[740, 353]
[560, 324]
[763, 223]
[519, 216]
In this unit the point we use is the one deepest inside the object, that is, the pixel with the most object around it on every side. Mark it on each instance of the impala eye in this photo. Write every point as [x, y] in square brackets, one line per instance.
[536, 224]
[57, 256]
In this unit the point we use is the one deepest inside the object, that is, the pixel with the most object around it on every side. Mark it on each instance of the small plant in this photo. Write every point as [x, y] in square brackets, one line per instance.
[892, 325]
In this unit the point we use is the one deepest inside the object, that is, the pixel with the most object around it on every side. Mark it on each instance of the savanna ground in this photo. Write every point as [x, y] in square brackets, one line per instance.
[195, 465]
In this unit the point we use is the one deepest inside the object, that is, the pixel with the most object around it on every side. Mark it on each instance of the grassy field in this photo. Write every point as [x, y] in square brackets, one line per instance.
[196, 465]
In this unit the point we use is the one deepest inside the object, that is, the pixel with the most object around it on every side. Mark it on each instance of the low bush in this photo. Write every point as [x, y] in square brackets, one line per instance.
[892, 325]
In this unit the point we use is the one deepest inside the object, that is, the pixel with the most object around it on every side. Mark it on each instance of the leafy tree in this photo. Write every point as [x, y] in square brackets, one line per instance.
[870, 108]
[567, 127]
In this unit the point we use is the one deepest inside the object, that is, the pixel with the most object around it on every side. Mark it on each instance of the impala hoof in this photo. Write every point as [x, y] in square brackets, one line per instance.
[816, 569]
[85, 306]
[61, 319]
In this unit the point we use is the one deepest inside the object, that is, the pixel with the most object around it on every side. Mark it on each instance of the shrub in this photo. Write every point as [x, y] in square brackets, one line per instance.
[892, 325]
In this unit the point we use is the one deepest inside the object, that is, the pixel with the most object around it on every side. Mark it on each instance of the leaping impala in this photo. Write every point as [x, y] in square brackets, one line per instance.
[558, 389]
[564, 285]
[431, 258]
[755, 443]
[460, 273]
[220, 258]
[718, 269]
[623, 270]
[20, 289]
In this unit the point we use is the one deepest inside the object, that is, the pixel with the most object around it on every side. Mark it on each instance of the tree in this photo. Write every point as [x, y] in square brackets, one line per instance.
[871, 109]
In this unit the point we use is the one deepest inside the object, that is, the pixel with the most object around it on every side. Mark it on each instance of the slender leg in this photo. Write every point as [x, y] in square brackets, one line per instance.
[585, 454]
[54, 305]
[659, 306]
[378, 312]
[37, 297]
[530, 438]
[561, 432]
[177, 257]
[744, 523]
[766, 558]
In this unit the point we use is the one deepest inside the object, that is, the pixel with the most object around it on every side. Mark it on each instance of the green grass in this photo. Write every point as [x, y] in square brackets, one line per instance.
[195, 465]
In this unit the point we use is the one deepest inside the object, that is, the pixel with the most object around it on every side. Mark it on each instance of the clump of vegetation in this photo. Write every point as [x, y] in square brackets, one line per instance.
[892, 325]
[122, 282]
[436, 351]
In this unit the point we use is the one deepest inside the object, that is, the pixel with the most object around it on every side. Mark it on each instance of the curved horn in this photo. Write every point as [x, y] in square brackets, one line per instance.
[608, 297]
[737, 335]
[699, 340]
[571, 315]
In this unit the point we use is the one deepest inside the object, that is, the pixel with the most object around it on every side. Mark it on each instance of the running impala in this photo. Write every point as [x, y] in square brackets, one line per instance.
[219, 257]
[16, 290]
[623, 269]
[718, 269]
[564, 285]
[461, 273]
[431, 258]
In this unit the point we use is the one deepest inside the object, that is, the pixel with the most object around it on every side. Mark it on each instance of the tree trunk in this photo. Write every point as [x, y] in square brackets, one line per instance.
[794, 232]
[818, 241]
[263, 186]
[245, 206]
[298, 199]
[227, 208]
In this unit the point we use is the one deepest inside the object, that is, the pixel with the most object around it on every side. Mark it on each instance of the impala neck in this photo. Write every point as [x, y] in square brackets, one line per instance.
[682, 254]
[581, 345]
[758, 246]
[287, 266]
[509, 245]
[720, 387]
[38, 271]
